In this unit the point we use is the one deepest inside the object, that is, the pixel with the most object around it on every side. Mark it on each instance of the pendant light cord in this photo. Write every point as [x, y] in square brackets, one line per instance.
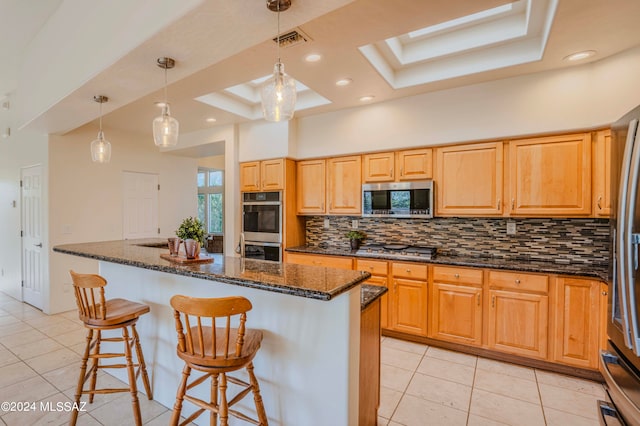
[278, 37]
[165, 85]
[101, 116]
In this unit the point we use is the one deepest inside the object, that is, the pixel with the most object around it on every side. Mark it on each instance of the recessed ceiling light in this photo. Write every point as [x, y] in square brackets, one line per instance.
[344, 82]
[313, 57]
[580, 55]
[367, 98]
[160, 104]
[211, 120]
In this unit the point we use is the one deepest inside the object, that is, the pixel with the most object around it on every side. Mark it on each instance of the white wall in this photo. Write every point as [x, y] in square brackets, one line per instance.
[86, 198]
[579, 97]
[261, 140]
[213, 162]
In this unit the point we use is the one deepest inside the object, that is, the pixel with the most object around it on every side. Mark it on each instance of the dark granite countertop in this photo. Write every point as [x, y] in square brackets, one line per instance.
[369, 293]
[599, 271]
[298, 280]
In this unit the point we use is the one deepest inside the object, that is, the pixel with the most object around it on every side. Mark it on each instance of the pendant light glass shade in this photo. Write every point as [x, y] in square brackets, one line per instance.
[278, 95]
[165, 129]
[100, 147]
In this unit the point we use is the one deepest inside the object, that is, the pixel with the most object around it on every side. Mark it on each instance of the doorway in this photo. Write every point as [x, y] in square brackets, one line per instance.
[31, 221]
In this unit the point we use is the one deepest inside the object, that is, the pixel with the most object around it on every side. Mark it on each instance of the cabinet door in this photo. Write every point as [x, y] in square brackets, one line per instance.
[250, 176]
[272, 174]
[601, 174]
[378, 167]
[415, 164]
[456, 313]
[551, 176]
[577, 322]
[310, 188]
[518, 323]
[381, 280]
[409, 306]
[469, 179]
[345, 185]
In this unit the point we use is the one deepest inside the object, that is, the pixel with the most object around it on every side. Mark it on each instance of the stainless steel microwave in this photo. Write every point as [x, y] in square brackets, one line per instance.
[398, 199]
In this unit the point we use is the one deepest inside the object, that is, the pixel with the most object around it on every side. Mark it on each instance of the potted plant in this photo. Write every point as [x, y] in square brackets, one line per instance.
[191, 230]
[355, 237]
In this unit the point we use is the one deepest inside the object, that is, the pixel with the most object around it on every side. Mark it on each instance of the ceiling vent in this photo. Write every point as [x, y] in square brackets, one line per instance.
[292, 38]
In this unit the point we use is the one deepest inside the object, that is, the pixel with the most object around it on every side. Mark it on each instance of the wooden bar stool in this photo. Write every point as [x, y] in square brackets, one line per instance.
[216, 351]
[99, 315]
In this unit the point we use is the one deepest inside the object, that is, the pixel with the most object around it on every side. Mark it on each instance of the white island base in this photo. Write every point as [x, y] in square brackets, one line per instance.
[307, 366]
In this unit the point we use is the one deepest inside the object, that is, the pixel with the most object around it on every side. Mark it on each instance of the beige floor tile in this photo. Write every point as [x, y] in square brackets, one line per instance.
[47, 413]
[457, 357]
[44, 321]
[13, 329]
[120, 412]
[573, 402]
[26, 312]
[34, 349]
[506, 368]
[395, 378]
[513, 387]
[389, 399]
[8, 319]
[22, 338]
[7, 357]
[65, 377]
[53, 360]
[474, 420]
[85, 419]
[104, 381]
[572, 383]
[382, 421]
[447, 370]
[62, 327]
[31, 390]
[442, 391]
[72, 338]
[505, 410]
[561, 418]
[15, 373]
[403, 345]
[414, 411]
[161, 420]
[79, 348]
[400, 359]
[392, 423]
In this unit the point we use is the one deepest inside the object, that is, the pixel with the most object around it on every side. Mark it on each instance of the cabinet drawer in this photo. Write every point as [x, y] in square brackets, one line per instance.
[409, 270]
[519, 281]
[320, 260]
[457, 275]
[375, 267]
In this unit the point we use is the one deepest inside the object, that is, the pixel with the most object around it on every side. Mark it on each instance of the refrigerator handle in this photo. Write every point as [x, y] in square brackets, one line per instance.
[620, 285]
[631, 253]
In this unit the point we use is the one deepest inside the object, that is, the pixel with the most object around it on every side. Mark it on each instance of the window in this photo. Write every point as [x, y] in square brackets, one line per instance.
[211, 199]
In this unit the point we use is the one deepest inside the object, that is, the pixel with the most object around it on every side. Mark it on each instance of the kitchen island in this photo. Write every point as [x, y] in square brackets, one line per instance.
[308, 365]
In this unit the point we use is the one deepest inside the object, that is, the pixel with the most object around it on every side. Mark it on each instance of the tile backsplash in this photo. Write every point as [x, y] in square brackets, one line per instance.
[554, 240]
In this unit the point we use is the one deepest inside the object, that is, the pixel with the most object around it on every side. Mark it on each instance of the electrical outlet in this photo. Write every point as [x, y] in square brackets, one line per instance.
[326, 223]
[511, 228]
[354, 224]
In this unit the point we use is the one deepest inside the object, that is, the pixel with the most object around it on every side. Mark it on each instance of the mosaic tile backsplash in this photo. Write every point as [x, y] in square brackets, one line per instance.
[554, 240]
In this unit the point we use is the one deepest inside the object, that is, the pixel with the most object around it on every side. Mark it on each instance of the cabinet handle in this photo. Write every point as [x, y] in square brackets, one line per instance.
[513, 203]
[499, 202]
[390, 172]
[518, 282]
[408, 271]
[456, 275]
[493, 301]
[600, 202]
[401, 171]
[478, 299]
[604, 293]
[395, 285]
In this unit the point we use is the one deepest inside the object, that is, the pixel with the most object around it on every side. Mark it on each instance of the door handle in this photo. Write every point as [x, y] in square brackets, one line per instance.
[38, 245]
[600, 202]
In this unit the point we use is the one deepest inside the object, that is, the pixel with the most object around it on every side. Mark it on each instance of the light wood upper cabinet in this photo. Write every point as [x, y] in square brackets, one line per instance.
[577, 313]
[469, 179]
[602, 174]
[550, 176]
[415, 164]
[267, 175]
[379, 167]
[344, 187]
[310, 188]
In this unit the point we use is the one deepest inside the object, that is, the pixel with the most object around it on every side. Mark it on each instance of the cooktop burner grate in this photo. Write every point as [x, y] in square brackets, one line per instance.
[398, 251]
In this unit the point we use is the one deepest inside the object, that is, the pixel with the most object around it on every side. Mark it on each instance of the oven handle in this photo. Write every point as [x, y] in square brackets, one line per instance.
[261, 203]
[260, 243]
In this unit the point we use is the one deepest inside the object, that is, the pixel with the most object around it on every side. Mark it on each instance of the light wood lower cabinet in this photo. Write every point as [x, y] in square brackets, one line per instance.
[456, 313]
[379, 271]
[408, 298]
[518, 323]
[338, 262]
[577, 322]
[369, 364]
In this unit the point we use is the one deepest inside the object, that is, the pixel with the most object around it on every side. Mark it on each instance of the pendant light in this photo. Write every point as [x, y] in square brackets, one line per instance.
[165, 127]
[279, 92]
[100, 148]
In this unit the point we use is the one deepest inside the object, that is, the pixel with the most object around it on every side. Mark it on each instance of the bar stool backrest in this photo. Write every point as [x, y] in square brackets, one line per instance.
[89, 291]
[198, 336]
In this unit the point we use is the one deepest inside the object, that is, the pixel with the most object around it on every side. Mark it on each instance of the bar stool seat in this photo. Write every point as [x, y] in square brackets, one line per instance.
[99, 315]
[216, 351]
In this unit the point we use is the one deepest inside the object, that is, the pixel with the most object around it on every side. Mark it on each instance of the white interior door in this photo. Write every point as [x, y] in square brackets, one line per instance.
[32, 253]
[140, 205]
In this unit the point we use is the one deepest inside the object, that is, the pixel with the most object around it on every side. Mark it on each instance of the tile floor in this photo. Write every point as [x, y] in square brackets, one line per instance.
[40, 360]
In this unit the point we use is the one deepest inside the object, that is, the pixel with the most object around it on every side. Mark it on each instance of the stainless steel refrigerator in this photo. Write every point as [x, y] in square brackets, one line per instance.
[620, 363]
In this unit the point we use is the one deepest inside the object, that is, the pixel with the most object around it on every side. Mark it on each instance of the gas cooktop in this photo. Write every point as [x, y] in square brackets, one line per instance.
[397, 251]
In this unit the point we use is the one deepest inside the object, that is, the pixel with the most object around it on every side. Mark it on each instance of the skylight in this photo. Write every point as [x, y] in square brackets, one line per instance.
[503, 36]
